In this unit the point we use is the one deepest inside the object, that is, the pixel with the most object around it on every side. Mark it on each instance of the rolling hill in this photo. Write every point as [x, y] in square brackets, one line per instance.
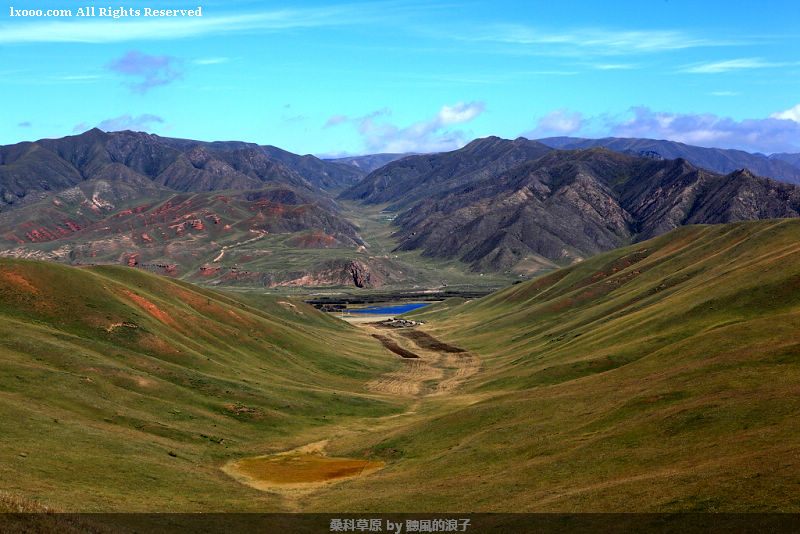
[660, 377]
[122, 390]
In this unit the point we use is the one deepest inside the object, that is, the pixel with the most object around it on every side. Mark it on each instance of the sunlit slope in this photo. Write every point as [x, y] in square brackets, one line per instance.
[124, 390]
[662, 376]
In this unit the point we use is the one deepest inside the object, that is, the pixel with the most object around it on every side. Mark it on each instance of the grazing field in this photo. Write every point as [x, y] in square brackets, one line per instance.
[664, 376]
[121, 390]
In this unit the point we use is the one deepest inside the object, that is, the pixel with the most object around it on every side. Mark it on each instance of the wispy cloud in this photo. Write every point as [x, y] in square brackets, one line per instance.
[211, 61]
[336, 120]
[143, 122]
[730, 65]
[431, 135]
[615, 66]
[590, 41]
[210, 23]
[25, 124]
[151, 71]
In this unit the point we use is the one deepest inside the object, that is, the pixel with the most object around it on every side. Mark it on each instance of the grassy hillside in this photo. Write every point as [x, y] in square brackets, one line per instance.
[122, 390]
[664, 376]
[660, 377]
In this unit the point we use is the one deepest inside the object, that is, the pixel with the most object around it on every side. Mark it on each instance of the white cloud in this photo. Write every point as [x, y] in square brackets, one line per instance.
[779, 132]
[430, 135]
[557, 122]
[792, 114]
[461, 112]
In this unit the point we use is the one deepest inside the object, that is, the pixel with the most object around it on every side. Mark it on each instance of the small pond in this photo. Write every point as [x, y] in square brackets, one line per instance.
[394, 309]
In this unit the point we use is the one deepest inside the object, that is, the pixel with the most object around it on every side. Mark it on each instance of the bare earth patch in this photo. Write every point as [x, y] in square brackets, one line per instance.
[435, 368]
[303, 468]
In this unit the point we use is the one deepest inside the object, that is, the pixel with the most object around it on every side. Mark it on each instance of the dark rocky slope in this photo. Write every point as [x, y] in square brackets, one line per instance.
[568, 205]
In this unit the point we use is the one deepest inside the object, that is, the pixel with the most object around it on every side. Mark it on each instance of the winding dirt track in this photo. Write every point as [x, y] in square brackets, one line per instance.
[440, 368]
[435, 368]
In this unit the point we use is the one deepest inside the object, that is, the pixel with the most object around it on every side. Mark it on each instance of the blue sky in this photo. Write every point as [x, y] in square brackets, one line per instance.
[397, 76]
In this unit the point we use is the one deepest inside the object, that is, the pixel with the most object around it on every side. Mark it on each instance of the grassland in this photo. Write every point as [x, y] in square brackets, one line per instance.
[122, 390]
[664, 376]
[660, 377]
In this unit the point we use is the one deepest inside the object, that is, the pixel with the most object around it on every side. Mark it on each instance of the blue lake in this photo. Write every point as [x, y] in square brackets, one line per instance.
[395, 309]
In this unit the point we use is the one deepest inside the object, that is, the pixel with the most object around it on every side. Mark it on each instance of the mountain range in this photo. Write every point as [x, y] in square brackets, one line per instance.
[783, 167]
[496, 203]
[238, 213]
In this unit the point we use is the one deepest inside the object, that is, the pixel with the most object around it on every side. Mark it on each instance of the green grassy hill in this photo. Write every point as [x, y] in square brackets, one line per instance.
[664, 376]
[122, 390]
[660, 377]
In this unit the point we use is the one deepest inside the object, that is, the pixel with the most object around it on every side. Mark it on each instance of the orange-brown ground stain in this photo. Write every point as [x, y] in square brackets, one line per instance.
[150, 308]
[19, 282]
[304, 468]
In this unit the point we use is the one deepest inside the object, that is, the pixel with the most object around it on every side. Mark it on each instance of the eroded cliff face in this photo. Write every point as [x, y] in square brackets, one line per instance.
[366, 272]
[362, 276]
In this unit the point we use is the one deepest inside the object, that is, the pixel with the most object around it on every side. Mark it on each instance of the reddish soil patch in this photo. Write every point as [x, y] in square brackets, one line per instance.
[19, 282]
[151, 308]
[394, 347]
[138, 209]
[304, 468]
[209, 271]
[73, 226]
[40, 235]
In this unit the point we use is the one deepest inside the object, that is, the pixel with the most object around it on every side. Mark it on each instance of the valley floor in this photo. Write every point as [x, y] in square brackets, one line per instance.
[431, 373]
